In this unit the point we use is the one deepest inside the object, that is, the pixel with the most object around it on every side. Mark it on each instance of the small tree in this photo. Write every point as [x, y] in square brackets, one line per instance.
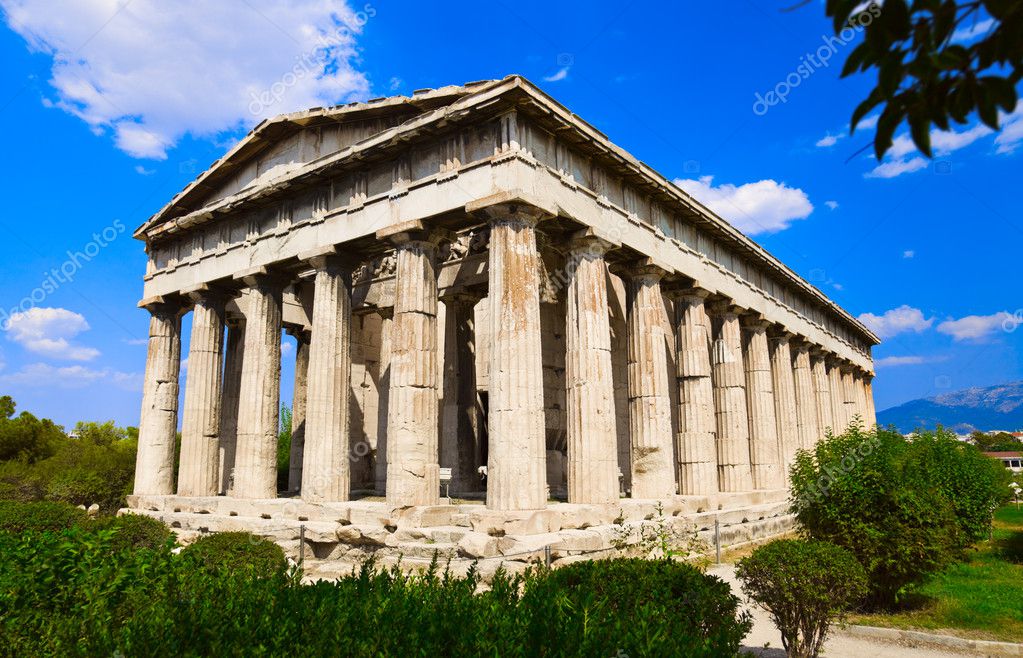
[805, 586]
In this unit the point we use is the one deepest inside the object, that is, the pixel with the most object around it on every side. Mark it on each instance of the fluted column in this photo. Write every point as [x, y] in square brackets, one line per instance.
[234, 349]
[837, 396]
[807, 421]
[697, 452]
[786, 414]
[199, 472]
[653, 460]
[849, 397]
[158, 424]
[384, 405]
[413, 466]
[517, 458]
[255, 471]
[868, 391]
[822, 396]
[459, 426]
[325, 459]
[731, 414]
[765, 460]
[298, 409]
[592, 436]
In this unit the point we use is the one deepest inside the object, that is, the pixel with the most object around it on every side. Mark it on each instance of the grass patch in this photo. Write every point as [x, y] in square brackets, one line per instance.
[981, 598]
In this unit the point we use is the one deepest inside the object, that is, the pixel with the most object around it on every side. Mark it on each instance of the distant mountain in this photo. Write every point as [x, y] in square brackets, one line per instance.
[990, 408]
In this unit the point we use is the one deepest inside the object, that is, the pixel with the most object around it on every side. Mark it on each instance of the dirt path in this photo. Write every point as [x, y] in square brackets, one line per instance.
[764, 634]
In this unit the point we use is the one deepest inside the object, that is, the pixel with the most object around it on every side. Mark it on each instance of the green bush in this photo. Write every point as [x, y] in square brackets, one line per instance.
[236, 551]
[638, 599]
[805, 586]
[891, 503]
[132, 531]
[18, 517]
[72, 594]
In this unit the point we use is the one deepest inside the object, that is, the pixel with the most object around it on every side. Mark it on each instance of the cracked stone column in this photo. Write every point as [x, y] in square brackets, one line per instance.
[517, 457]
[731, 414]
[807, 423]
[326, 474]
[298, 408]
[459, 437]
[837, 387]
[154, 464]
[234, 349]
[199, 472]
[783, 378]
[697, 452]
[822, 396]
[255, 471]
[765, 460]
[868, 391]
[592, 435]
[653, 461]
[413, 427]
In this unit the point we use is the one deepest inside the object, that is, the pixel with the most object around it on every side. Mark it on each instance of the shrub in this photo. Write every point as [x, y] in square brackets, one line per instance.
[18, 517]
[236, 551]
[132, 531]
[859, 491]
[804, 585]
[635, 601]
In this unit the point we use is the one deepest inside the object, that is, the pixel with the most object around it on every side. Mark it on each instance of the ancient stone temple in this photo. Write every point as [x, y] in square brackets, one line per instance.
[505, 327]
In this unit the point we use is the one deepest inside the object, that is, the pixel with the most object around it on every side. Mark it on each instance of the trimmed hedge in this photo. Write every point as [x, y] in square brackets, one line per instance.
[41, 516]
[133, 531]
[74, 594]
[236, 551]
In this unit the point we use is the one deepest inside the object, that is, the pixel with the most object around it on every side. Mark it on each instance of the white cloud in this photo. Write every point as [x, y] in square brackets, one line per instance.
[943, 142]
[142, 171]
[909, 253]
[395, 83]
[967, 34]
[559, 75]
[48, 331]
[1012, 131]
[71, 377]
[896, 168]
[766, 206]
[832, 205]
[287, 348]
[896, 321]
[975, 327]
[150, 72]
[890, 361]
[867, 123]
[135, 341]
[828, 140]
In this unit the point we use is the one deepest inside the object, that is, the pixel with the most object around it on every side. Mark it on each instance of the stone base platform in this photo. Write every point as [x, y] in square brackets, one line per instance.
[340, 536]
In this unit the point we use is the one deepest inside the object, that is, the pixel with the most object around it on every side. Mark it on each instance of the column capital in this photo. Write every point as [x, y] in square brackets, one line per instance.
[462, 297]
[592, 242]
[687, 292]
[415, 231]
[754, 320]
[332, 260]
[210, 293]
[779, 334]
[303, 334]
[724, 307]
[263, 277]
[513, 206]
[646, 268]
[164, 305]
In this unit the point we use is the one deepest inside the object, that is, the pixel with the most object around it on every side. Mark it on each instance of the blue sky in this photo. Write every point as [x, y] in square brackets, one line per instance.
[111, 108]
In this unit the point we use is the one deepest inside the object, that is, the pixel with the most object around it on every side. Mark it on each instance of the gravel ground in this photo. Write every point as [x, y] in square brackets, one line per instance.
[765, 640]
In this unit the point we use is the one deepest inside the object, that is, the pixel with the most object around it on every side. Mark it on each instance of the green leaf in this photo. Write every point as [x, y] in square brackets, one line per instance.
[886, 125]
[920, 130]
[863, 108]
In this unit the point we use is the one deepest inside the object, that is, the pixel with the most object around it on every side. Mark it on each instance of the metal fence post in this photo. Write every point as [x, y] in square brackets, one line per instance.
[717, 539]
[547, 556]
[301, 545]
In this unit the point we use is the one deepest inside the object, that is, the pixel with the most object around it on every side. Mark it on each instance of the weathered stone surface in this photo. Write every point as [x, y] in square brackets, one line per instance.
[230, 402]
[731, 414]
[697, 452]
[298, 410]
[653, 460]
[807, 421]
[785, 406]
[592, 439]
[765, 460]
[154, 465]
[460, 438]
[822, 396]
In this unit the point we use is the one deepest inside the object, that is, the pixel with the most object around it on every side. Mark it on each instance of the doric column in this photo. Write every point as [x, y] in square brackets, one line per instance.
[807, 423]
[837, 396]
[413, 427]
[849, 394]
[154, 463]
[255, 471]
[199, 472]
[384, 405]
[592, 436]
[298, 408]
[517, 458]
[653, 461]
[234, 350]
[325, 458]
[765, 461]
[868, 392]
[697, 452]
[459, 433]
[786, 414]
[822, 396]
[731, 414]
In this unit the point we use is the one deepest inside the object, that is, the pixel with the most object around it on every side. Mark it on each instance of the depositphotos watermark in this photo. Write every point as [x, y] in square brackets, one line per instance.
[810, 63]
[65, 273]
